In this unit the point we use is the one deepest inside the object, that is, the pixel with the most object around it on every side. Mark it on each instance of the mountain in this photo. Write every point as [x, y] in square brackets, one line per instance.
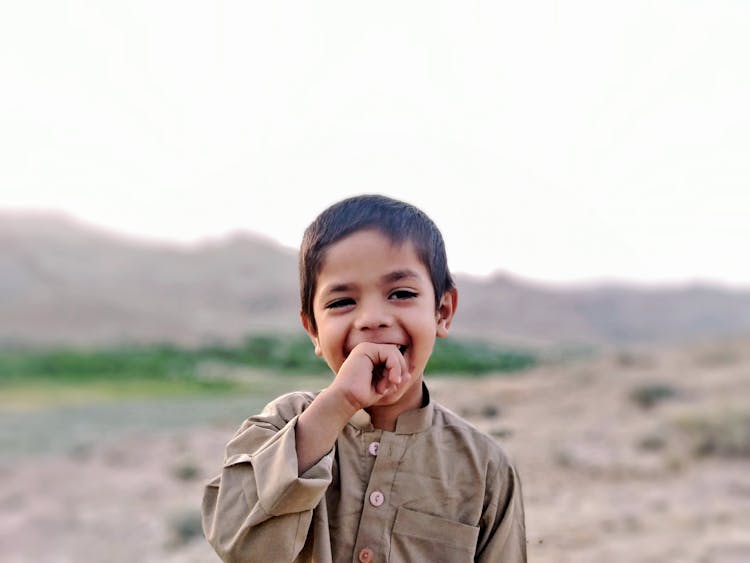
[65, 283]
[513, 310]
[61, 282]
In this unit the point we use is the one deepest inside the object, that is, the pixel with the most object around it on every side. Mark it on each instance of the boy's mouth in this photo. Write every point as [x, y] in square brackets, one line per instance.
[401, 348]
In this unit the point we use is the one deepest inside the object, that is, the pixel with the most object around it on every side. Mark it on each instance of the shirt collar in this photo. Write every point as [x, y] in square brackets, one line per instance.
[409, 422]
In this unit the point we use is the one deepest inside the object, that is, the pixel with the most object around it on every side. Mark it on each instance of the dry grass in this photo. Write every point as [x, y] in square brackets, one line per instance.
[720, 433]
[604, 478]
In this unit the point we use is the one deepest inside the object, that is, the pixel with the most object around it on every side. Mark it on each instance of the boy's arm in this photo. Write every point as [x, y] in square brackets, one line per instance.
[278, 466]
[503, 535]
[260, 507]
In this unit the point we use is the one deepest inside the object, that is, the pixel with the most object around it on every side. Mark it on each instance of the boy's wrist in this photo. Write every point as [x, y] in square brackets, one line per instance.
[337, 404]
[319, 426]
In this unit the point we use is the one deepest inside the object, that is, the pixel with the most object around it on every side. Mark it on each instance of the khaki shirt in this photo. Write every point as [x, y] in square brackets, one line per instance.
[435, 489]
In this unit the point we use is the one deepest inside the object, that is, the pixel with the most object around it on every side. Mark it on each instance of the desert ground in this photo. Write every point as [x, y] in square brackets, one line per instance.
[633, 455]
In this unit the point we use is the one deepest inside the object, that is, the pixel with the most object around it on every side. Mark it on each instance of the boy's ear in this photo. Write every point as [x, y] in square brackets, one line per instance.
[445, 312]
[311, 332]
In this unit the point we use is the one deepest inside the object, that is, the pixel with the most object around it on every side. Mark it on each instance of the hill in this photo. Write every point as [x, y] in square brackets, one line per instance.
[62, 282]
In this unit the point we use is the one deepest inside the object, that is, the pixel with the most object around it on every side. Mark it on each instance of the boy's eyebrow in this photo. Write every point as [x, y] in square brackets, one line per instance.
[338, 288]
[399, 275]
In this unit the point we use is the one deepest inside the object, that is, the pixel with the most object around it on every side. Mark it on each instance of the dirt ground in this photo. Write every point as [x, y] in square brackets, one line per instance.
[639, 456]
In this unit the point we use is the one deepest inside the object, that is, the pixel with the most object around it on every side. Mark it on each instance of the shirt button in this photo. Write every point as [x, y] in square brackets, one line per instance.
[373, 448]
[365, 555]
[376, 498]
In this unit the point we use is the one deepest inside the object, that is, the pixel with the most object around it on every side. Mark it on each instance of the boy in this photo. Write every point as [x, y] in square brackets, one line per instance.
[368, 469]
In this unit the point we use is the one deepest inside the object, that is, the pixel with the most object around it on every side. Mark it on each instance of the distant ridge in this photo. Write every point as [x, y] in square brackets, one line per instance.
[608, 314]
[65, 283]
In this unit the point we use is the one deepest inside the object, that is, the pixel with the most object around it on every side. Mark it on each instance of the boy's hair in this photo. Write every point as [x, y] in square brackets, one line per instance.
[397, 220]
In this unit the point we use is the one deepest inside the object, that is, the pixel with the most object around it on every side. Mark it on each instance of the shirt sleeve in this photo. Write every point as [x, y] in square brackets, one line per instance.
[503, 536]
[259, 508]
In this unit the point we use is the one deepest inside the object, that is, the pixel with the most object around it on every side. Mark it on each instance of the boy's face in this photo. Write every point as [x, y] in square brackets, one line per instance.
[370, 290]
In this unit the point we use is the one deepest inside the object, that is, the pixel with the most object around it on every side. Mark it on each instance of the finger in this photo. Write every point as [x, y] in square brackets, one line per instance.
[405, 375]
[402, 369]
[395, 367]
[381, 383]
[390, 365]
[383, 386]
[378, 372]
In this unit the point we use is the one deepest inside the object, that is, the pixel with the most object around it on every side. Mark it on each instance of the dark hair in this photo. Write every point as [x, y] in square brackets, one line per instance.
[397, 220]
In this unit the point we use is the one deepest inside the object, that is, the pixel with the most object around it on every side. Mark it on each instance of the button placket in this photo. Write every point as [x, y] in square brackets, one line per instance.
[382, 453]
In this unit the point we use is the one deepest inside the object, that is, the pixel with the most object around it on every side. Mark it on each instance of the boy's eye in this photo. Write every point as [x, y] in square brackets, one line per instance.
[338, 303]
[402, 294]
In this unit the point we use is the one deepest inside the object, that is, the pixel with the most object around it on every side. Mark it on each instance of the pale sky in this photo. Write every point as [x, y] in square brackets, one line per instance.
[555, 140]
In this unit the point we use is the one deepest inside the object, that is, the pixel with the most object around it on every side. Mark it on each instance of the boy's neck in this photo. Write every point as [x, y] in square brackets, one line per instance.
[385, 417]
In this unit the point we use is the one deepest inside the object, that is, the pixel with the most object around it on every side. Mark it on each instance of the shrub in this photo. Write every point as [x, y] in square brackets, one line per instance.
[719, 433]
[490, 411]
[186, 471]
[629, 359]
[290, 353]
[183, 527]
[455, 356]
[652, 442]
[649, 395]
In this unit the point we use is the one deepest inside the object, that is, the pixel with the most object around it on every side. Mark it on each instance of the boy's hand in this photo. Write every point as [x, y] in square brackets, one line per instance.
[371, 372]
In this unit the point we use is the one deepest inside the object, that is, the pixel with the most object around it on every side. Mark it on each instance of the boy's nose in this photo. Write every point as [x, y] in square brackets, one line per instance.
[372, 316]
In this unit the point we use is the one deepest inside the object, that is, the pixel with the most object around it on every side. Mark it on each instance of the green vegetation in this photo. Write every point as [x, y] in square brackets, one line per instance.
[284, 354]
[186, 470]
[29, 375]
[649, 395]
[458, 357]
[720, 433]
[652, 442]
[183, 527]
[157, 363]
